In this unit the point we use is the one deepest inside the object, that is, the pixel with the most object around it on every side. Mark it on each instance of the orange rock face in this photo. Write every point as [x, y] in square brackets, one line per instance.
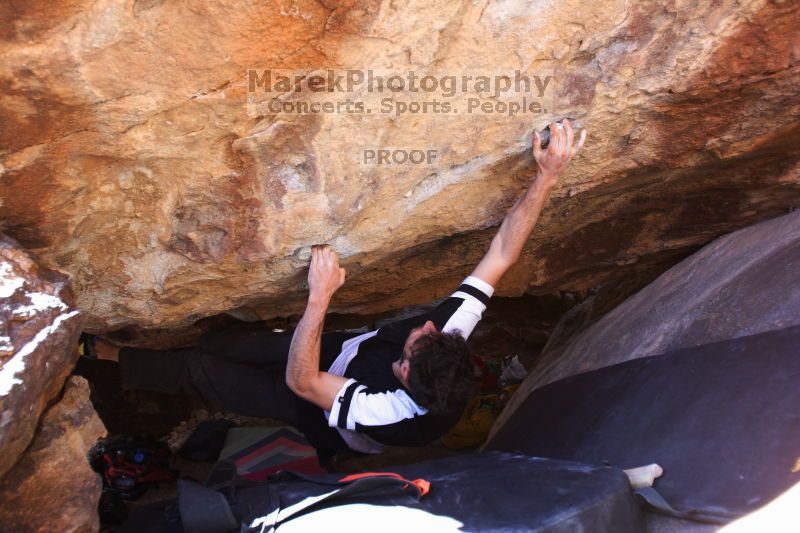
[52, 487]
[135, 159]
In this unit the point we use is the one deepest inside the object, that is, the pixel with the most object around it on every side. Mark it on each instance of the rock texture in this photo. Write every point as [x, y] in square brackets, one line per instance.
[52, 487]
[742, 284]
[39, 330]
[131, 160]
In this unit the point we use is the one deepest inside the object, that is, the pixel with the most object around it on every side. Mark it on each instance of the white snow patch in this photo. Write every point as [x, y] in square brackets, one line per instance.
[39, 302]
[8, 283]
[15, 365]
[5, 344]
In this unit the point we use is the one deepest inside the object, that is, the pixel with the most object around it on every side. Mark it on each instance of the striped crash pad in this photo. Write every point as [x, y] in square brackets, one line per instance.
[259, 452]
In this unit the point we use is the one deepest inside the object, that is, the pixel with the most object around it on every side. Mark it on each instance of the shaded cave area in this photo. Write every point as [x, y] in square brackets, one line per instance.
[518, 326]
[523, 326]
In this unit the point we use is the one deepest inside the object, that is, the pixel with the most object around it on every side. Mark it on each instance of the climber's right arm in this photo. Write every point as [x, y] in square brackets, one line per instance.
[303, 375]
[518, 224]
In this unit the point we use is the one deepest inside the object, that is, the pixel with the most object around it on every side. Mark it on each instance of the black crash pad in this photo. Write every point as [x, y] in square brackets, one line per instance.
[489, 491]
[722, 419]
[492, 491]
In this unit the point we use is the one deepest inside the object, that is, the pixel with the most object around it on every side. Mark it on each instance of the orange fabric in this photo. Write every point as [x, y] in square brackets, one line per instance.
[421, 484]
[353, 477]
[424, 486]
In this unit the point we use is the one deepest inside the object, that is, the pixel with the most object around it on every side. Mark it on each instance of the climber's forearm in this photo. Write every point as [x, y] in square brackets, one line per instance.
[303, 365]
[303, 375]
[517, 226]
[521, 219]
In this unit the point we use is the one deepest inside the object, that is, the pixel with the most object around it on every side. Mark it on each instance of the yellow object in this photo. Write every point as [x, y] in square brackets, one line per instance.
[474, 425]
[477, 420]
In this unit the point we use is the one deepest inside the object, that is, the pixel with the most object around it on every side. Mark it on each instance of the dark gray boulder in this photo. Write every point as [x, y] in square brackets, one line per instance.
[741, 284]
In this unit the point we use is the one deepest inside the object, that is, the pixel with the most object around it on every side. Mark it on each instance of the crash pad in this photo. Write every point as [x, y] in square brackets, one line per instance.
[490, 491]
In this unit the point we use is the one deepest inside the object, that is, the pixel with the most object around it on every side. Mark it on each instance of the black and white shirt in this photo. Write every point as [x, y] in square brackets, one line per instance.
[373, 409]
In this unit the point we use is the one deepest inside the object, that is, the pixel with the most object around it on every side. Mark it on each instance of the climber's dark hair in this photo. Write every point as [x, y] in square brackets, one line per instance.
[441, 377]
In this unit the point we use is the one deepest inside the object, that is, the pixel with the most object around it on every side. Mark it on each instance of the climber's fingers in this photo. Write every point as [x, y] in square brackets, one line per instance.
[317, 262]
[333, 257]
[562, 148]
[325, 275]
[562, 140]
[552, 148]
[537, 145]
[553, 138]
[323, 255]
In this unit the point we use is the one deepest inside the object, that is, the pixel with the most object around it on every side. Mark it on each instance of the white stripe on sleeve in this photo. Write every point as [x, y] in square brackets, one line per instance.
[470, 312]
[481, 285]
[378, 409]
[333, 415]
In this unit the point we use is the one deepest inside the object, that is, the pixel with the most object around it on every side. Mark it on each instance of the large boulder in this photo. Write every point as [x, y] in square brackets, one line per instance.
[742, 284]
[39, 330]
[134, 158]
[52, 487]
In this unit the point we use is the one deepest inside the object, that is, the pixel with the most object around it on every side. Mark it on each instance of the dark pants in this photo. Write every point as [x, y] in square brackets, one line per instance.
[241, 369]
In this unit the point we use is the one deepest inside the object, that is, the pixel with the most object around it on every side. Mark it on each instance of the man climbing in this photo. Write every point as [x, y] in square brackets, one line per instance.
[404, 384]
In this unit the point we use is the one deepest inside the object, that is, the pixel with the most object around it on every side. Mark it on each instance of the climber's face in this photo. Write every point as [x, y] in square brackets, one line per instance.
[416, 333]
[401, 367]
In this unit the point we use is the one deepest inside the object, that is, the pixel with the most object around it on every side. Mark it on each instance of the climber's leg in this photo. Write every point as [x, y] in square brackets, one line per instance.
[254, 343]
[156, 370]
[245, 389]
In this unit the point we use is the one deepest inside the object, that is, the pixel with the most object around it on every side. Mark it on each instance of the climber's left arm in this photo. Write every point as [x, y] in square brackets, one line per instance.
[303, 375]
[518, 224]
